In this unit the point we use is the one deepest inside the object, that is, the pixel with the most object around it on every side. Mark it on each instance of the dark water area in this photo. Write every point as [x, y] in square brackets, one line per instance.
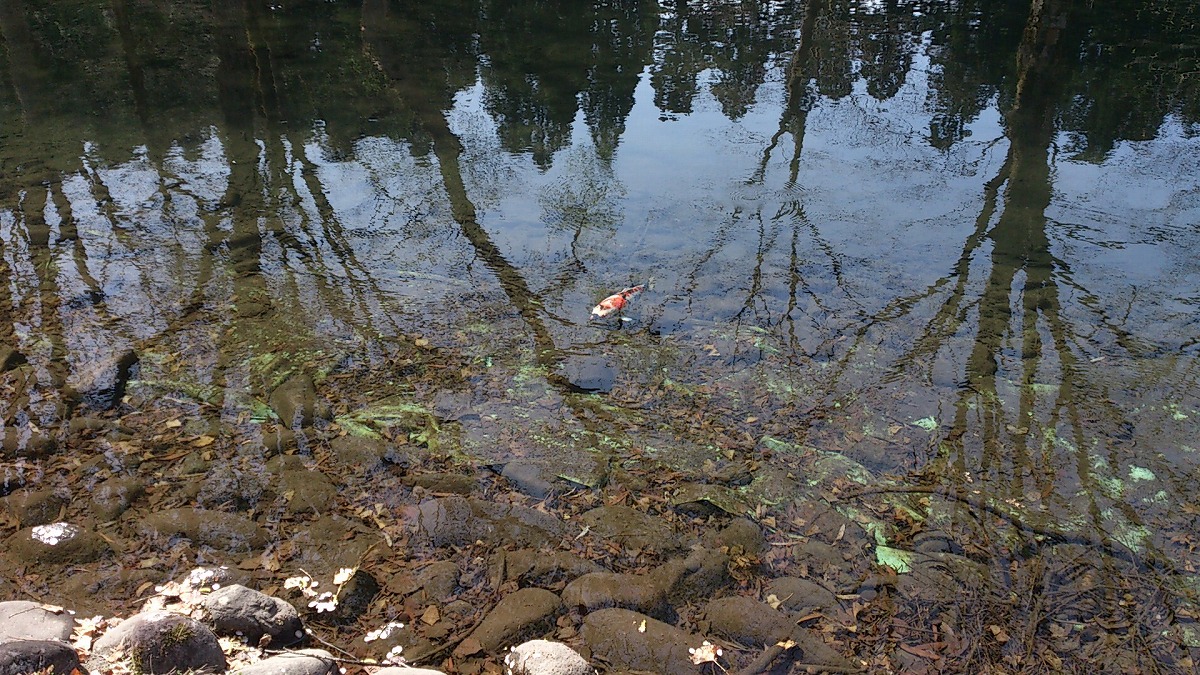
[934, 263]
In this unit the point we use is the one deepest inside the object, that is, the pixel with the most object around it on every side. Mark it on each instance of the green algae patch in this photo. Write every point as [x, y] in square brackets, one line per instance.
[927, 423]
[897, 559]
[1138, 473]
[387, 413]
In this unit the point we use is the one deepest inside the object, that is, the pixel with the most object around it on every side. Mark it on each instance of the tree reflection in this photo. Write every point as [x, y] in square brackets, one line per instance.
[272, 98]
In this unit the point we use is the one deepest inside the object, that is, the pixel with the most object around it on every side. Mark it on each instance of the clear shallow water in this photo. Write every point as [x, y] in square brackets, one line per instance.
[937, 239]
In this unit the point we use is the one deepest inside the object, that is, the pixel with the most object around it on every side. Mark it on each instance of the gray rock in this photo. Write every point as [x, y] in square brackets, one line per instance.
[301, 662]
[237, 610]
[220, 530]
[631, 641]
[158, 642]
[542, 657]
[23, 620]
[56, 543]
[26, 657]
[526, 612]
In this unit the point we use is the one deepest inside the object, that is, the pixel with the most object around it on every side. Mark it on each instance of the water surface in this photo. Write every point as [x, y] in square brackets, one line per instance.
[952, 242]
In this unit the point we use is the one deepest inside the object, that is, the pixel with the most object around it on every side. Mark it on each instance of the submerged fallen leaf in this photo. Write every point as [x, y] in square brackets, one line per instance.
[468, 647]
[923, 651]
[431, 615]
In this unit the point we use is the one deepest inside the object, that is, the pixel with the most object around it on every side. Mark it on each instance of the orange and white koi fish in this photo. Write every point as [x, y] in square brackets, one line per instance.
[616, 302]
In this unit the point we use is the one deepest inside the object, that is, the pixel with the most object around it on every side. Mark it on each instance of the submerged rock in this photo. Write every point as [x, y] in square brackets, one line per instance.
[158, 642]
[306, 491]
[112, 497]
[630, 528]
[526, 612]
[295, 401]
[356, 454]
[542, 657]
[646, 593]
[800, 595]
[355, 595]
[101, 383]
[531, 478]
[56, 543]
[439, 580]
[631, 641]
[237, 610]
[220, 530]
[748, 621]
[23, 620]
[19, 441]
[458, 521]
[34, 507]
[10, 358]
[453, 483]
[543, 568]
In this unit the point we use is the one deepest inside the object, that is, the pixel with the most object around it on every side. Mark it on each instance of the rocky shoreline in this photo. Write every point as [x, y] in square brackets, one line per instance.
[360, 531]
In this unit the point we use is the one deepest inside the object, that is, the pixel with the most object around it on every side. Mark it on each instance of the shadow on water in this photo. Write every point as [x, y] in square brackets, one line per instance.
[929, 263]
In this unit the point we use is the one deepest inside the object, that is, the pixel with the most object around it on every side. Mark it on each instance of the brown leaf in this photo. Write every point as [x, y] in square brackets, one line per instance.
[923, 651]
[431, 615]
[468, 647]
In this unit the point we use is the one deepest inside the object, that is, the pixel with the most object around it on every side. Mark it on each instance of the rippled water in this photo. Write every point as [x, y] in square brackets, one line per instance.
[955, 242]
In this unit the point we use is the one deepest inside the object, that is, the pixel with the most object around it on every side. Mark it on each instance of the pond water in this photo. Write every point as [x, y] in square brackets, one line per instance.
[954, 244]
